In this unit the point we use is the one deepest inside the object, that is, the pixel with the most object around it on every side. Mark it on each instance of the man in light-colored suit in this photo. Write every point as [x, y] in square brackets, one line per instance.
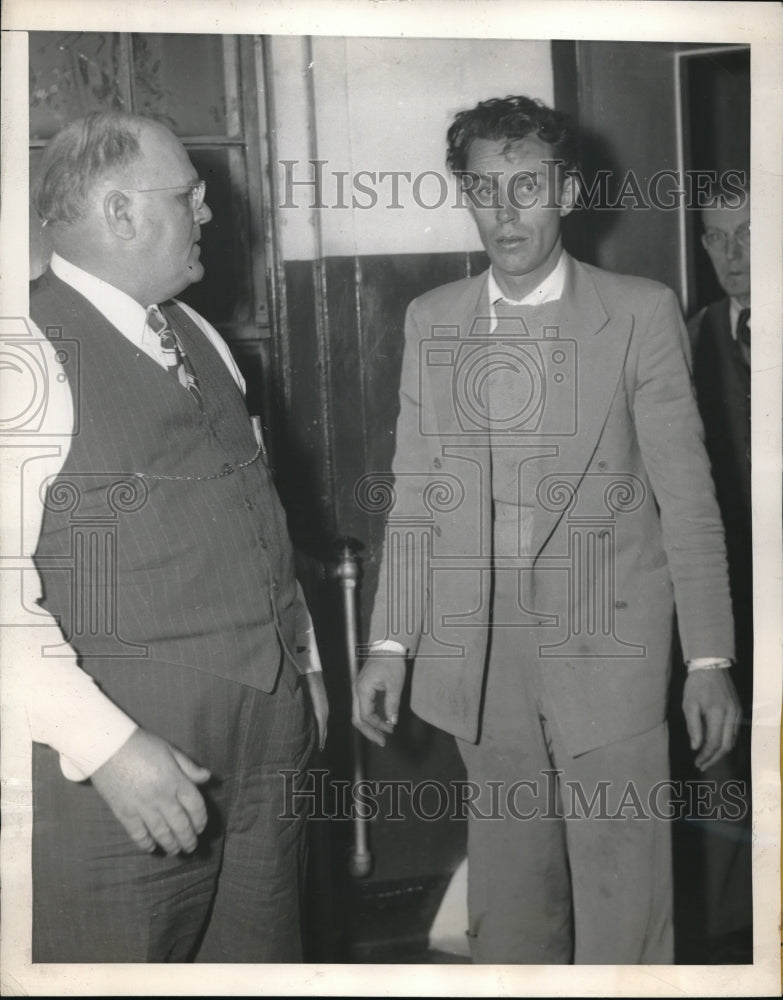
[552, 504]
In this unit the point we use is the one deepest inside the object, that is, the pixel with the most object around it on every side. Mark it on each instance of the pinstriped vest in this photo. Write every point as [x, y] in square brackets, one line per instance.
[157, 540]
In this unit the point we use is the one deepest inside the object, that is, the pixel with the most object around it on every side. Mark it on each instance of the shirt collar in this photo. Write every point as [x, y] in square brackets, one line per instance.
[119, 308]
[550, 289]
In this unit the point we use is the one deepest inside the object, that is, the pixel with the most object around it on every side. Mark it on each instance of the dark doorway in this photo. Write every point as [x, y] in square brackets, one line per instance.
[716, 137]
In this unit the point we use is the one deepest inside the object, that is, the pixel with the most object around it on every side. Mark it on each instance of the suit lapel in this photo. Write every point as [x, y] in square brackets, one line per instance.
[470, 345]
[600, 344]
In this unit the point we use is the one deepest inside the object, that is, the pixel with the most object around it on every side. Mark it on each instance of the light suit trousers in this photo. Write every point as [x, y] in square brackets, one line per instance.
[569, 858]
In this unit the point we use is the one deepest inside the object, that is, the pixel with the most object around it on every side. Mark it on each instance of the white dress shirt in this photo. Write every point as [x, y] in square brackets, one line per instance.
[550, 290]
[65, 708]
[130, 318]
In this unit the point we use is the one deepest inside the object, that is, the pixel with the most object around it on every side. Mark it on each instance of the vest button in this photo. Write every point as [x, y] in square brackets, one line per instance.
[603, 466]
[275, 586]
[436, 463]
[262, 541]
[250, 505]
[621, 605]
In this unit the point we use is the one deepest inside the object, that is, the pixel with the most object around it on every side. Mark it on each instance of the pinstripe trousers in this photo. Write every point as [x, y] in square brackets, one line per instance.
[97, 898]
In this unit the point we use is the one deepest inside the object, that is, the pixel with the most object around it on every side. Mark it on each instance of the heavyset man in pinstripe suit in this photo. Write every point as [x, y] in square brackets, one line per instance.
[163, 557]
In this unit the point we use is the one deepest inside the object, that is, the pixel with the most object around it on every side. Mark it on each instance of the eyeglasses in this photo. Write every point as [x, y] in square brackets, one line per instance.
[196, 192]
[718, 239]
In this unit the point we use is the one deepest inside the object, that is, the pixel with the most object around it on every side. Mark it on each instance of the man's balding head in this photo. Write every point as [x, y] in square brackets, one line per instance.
[117, 192]
[83, 153]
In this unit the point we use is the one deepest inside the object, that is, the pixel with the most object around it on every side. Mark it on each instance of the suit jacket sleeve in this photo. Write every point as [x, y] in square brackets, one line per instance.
[399, 610]
[671, 439]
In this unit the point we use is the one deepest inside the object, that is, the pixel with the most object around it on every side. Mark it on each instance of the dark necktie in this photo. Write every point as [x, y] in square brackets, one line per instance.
[743, 334]
[743, 345]
[177, 362]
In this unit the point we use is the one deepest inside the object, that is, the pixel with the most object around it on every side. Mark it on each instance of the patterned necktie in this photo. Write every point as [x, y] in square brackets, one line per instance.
[743, 334]
[176, 361]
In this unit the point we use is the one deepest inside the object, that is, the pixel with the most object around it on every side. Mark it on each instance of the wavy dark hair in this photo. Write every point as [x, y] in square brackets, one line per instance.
[512, 119]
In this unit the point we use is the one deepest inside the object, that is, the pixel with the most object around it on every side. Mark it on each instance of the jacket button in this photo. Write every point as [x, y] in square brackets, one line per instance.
[262, 541]
[621, 605]
[275, 586]
[250, 505]
[227, 469]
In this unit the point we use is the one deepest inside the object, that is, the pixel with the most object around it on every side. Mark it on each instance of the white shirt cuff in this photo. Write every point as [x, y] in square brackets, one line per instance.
[708, 663]
[79, 759]
[387, 646]
[308, 660]
[64, 706]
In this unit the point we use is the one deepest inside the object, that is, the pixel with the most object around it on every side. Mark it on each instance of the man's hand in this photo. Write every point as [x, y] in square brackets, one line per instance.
[381, 674]
[150, 786]
[712, 713]
[320, 703]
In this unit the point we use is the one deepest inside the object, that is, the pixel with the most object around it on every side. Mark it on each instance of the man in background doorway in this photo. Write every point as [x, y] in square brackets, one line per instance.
[720, 335]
